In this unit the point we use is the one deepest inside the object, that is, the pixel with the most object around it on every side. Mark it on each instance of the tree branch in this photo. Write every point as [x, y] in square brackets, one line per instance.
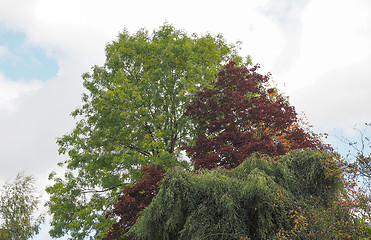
[103, 190]
[138, 150]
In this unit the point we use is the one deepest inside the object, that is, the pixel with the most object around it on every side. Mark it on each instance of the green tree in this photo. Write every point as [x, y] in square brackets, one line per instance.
[289, 197]
[133, 115]
[240, 115]
[18, 205]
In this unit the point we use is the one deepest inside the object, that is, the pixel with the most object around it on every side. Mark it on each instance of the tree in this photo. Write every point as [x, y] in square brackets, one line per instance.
[262, 198]
[134, 199]
[133, 115]
[240, 115]
[359, 155]
[18, 205]
[358, 168]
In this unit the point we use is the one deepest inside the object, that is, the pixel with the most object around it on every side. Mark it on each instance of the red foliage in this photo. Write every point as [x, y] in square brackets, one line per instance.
[241, 115]
[134, 200]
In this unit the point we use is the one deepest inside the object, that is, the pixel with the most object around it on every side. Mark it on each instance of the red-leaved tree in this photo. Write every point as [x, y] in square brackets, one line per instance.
[238, 116]
[241, 115]
[133, 200]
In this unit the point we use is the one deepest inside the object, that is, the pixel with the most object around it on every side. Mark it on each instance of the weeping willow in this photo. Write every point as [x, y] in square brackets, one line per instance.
[290, 197]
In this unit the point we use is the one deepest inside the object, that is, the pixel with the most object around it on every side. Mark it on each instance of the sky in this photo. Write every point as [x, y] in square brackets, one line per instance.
[318, 51]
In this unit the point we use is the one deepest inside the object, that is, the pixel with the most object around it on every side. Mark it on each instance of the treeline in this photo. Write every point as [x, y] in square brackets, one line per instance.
[254, 170]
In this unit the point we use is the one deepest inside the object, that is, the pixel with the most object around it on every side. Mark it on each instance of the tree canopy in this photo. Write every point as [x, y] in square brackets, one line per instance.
[242, 114]
[132, 115]
[257, 171]
[133, 200]
[18, 209]
[237, 115]
[262, 198]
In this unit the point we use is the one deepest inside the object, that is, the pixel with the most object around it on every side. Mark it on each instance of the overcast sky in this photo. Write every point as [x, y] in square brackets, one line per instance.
[319, 52]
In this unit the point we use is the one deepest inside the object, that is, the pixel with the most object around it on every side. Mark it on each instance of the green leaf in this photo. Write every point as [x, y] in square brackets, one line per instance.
[132, 115]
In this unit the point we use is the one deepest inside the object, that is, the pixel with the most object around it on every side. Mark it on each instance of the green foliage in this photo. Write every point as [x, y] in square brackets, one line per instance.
[18, 205]
[263, 198]
[365, 228]
[133, 115]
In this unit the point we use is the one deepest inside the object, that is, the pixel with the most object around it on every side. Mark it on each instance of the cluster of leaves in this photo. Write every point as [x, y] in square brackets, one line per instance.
[260, 199]
[158, 92]
[18, 205]
[241, 115]
[132, 116]
[134, 200]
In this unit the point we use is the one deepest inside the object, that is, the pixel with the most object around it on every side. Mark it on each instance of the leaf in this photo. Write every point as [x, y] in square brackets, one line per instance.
[132, 115]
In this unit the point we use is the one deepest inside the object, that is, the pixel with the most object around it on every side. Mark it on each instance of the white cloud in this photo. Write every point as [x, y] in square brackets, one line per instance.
[302, 43]
[339, 99]
[28, 135]
[329, 79]
[320, 49]
[286, 16]
[11, 92]
[75, 33]
[334, 34]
